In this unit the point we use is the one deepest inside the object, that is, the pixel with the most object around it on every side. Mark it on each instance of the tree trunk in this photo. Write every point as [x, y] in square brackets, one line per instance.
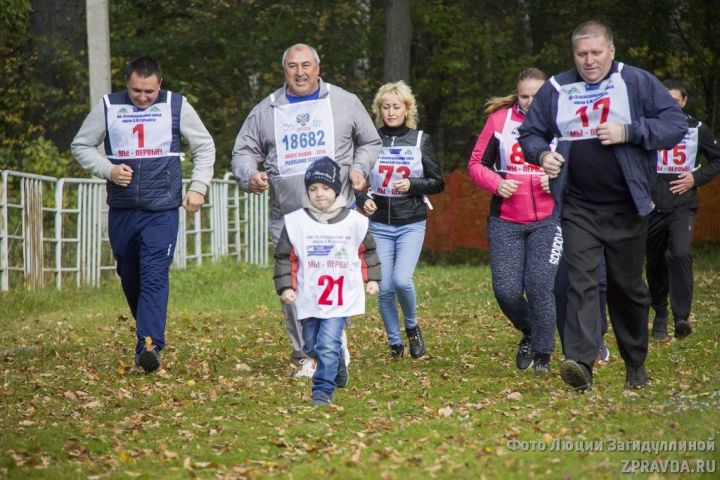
[398, 38]
[98, 39]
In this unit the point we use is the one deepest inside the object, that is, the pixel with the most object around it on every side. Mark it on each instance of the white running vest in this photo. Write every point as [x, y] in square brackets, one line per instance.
[680, 158]
[136, 133]
[583, 106]
[329, 276]
[304, 132]
[512, 159]
[395, 163]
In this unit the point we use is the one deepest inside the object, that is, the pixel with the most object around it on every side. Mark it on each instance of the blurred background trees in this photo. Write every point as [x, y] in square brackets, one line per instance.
[225, 57]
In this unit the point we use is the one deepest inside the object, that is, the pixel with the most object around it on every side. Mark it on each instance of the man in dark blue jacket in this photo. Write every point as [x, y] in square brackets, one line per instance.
[142, 129]
[609, 118]
[670, 228]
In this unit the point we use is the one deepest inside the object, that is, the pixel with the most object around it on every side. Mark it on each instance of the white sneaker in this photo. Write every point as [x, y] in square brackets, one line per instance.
[346, 352]
[307, 368]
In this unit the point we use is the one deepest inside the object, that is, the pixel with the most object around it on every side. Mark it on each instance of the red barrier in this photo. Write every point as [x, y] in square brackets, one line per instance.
[460, 215]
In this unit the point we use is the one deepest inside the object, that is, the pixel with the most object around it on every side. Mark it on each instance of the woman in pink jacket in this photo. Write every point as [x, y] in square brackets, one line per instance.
[524, 237]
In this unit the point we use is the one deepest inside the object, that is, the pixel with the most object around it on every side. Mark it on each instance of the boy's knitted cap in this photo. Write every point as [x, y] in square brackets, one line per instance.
[324, 170]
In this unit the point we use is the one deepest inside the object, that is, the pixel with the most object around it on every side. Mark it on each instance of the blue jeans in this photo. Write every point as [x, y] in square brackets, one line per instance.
[398, 247]
[322, 337]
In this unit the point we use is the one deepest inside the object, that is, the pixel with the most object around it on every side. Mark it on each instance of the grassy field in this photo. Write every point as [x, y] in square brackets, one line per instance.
[225, 405]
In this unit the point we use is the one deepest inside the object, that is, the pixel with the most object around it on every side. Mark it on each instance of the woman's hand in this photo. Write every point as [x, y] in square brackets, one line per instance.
[507, 188]
[545, 183]
[402, 185]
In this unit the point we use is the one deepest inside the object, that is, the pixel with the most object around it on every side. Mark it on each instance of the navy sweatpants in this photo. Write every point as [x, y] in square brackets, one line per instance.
[143, 244]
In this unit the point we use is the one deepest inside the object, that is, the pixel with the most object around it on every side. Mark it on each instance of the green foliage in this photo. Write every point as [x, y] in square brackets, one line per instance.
[225, 57]
[13, 21]
[43, 157]
[464, 53]
[44, 94]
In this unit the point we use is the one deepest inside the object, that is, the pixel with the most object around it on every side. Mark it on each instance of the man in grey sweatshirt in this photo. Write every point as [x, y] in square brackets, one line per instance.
[302, 121]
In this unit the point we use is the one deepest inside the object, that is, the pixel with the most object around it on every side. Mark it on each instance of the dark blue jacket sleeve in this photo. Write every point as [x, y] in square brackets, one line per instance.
[658, 122]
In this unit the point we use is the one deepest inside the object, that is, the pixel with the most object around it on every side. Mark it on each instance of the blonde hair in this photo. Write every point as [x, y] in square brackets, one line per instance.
[496, 103]
[403, 92]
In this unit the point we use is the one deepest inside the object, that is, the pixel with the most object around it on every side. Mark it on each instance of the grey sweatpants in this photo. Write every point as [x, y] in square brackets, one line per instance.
[292, 324]
[524, 259]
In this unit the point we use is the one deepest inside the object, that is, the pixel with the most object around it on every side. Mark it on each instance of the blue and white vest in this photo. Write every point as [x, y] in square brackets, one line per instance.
[149, 142]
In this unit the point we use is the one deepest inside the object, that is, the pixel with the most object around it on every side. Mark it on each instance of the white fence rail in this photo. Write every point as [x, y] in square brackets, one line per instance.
[55, 230]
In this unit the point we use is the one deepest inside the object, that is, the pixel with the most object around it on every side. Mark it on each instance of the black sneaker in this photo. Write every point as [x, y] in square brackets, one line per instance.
[576, 375]
[636, 377]
[682, 328]
[417, 344]
[659, 328]
[341, 377]
[149, 358]
[541, 364]
[397, 351]
[524, 355]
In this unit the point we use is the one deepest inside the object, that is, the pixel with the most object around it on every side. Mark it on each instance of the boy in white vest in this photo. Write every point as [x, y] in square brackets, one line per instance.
[324, 255]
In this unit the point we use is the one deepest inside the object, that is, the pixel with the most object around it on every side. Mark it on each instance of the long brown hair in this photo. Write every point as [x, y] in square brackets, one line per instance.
[496, 103]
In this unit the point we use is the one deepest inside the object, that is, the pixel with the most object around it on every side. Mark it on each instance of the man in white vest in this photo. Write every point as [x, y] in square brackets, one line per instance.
[302, 121]
[671, 224]
[141, 129]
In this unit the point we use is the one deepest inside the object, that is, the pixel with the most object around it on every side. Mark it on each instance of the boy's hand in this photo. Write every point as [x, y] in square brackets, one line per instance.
[288, 296]
[372, 287]
[369, 206]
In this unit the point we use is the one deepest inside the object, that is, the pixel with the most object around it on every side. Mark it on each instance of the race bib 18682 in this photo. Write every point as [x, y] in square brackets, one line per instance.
[303, 133]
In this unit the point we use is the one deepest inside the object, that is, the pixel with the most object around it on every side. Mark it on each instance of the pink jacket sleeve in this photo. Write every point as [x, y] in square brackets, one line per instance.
[481, 175]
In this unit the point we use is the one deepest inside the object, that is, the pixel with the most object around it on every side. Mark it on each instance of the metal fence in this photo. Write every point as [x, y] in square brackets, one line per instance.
[55, 230]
